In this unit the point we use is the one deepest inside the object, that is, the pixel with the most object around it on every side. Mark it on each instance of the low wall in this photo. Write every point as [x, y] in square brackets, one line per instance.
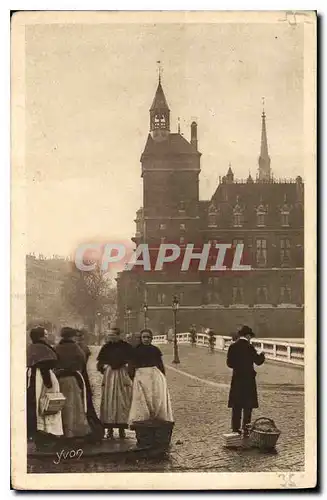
[288, 352]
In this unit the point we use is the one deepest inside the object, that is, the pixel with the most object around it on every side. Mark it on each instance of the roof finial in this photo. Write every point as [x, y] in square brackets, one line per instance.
[159, 70]
[179, 125]
[263, 107]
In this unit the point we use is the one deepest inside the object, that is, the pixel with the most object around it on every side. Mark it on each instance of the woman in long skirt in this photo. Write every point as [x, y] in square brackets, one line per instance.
[71, 362]
[92, 417]
[117, 385]
[41, 360]
[151, 399]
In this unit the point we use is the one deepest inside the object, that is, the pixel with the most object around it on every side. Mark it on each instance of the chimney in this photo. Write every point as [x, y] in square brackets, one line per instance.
[194, 135]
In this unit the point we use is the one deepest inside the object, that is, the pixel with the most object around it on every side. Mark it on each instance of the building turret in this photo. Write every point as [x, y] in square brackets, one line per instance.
[159, 115]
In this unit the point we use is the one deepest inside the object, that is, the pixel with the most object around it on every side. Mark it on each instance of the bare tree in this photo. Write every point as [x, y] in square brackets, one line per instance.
[92, 294]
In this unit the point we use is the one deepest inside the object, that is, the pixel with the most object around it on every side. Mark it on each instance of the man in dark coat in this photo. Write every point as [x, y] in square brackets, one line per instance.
[243, 391]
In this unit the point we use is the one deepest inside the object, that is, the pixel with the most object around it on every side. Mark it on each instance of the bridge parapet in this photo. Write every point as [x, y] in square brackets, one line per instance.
[278, 350]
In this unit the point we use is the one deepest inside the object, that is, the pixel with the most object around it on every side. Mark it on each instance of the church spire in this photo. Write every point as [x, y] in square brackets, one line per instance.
[264, 158]
[159, 113]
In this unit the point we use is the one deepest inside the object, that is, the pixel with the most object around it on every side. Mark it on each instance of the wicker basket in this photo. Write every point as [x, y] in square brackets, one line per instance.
[153, 433]
[264, 434]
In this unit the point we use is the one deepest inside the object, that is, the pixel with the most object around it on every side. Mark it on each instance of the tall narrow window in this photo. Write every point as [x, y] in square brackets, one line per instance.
[261, 252]
[238, 295]
[262, 295]
[285, 294]
[236, 242]
[161, 298]
[285, 251]
[285, 219]
[261, 219]
[181, 207]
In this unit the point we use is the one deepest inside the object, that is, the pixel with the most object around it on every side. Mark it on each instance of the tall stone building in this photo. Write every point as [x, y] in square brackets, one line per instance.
[264, 214]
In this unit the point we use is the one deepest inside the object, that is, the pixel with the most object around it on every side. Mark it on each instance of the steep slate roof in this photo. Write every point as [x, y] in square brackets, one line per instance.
[175, 144]
[159, 101]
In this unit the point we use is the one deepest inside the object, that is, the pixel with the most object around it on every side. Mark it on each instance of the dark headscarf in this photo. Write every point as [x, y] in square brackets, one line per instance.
[68, 333]
[37, 333]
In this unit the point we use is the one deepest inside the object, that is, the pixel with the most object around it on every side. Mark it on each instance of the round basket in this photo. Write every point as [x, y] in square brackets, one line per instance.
[264, 434]
[153, 433]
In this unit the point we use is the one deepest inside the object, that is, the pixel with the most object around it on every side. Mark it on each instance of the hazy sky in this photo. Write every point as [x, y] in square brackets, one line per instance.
[88, 93]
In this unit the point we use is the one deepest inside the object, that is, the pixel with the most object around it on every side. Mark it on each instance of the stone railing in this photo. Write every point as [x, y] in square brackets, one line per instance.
[277, 350]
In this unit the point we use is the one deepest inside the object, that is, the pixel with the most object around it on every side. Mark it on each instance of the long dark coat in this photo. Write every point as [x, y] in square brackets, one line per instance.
[243, 391]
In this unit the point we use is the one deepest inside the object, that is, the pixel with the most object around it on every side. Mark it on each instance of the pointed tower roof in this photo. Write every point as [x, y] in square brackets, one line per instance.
[264, 158]
[159, 101]
[264, 143]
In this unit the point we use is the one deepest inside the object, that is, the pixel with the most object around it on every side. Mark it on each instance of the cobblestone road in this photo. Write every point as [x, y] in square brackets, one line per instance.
[202, 417]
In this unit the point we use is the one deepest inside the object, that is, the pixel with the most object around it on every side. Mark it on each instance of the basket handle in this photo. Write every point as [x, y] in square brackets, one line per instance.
[264, 419]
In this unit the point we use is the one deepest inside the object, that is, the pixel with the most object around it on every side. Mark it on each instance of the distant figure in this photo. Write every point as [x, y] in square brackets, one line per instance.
[71, 363]
[211, 340]
[41, 360]
[117, 386]
[170, 335]
[193, 335]
[243, 391]
[151, 399]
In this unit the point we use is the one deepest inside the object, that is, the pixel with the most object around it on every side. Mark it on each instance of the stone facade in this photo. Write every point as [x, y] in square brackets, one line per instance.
[264, 214]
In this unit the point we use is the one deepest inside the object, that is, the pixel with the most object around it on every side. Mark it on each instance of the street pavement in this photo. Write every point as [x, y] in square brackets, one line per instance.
[202, 417]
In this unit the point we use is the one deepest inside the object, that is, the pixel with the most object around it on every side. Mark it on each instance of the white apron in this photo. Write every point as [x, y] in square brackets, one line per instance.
[116, 396]
[151, 399]
[51, 424]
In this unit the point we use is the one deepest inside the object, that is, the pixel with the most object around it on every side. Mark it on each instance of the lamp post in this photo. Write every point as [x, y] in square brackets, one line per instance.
[99, 326]
[175, 307]
[145, 310]
[128, 312]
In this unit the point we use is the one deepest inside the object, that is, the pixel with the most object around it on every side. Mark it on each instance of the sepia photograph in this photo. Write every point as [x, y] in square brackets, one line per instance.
[163, 250]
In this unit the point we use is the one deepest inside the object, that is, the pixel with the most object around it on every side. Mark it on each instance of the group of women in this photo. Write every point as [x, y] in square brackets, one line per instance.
[133, 388]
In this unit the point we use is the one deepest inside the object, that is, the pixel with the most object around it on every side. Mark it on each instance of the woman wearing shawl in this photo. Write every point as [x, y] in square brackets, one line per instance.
[117, 385]
[41, 359]
[71, 362]
[151, 399]
[92, 417]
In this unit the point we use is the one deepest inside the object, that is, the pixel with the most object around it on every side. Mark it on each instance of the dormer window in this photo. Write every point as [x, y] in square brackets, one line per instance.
[285, 219]
[212, 215]
[261, 220]
[162, 227]
[262, 211]
[182, 227]
[238, 214]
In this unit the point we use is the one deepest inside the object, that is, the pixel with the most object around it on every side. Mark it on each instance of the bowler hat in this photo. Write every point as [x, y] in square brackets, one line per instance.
[246, 330]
